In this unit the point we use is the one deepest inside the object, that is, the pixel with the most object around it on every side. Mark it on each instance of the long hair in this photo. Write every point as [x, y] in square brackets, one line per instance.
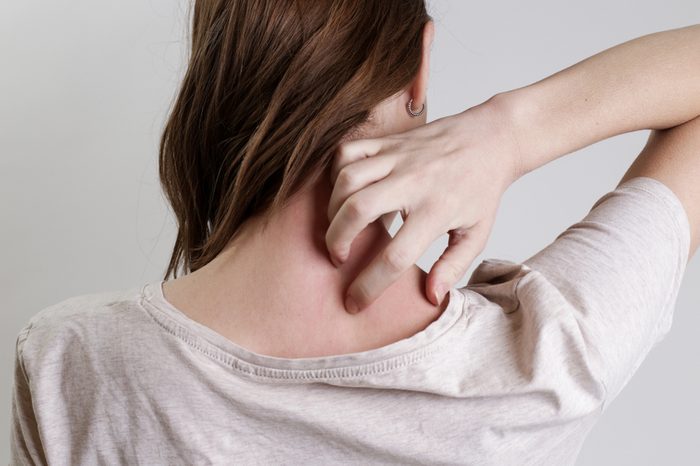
[271, 88]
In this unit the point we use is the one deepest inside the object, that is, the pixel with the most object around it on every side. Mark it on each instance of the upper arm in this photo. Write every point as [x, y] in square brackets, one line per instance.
[620, 269]
[672, 156]
[26, 446]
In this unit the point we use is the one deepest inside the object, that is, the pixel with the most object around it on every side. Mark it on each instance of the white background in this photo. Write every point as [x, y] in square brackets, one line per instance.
[86, 85]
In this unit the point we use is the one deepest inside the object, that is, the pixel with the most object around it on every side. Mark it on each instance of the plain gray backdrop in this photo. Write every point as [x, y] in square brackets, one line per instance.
[86, 86]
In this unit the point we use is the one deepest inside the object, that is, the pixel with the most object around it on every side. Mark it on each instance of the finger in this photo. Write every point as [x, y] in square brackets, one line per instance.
[412, 239]
[352, 151]
[358, 211]
[453, 263]
[356, 176]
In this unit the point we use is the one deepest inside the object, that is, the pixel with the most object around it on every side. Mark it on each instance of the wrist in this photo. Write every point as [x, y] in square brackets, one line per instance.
[518, 114]
[539, 117]
[508, 113]
[500, 123]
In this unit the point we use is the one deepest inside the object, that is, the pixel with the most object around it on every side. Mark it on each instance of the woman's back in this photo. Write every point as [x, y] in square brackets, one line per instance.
[251, 358]
[515, 370]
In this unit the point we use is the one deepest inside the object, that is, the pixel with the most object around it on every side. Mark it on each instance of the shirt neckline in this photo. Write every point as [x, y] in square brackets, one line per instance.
[238, 358]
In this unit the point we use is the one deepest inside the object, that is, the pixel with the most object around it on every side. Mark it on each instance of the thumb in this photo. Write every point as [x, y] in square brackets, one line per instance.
[453, 263]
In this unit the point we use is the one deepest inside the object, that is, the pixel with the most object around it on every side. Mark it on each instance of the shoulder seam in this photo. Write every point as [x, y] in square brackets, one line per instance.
[22, 337]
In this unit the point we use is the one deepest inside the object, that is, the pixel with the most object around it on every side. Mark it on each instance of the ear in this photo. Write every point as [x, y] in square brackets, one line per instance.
[419, 88]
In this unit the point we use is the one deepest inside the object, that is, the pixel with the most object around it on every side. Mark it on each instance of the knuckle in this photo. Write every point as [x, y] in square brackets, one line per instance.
[334, 248]
[340, 253]
[355, 207]
[451, 271]
[434, 214]
[396, 259]
[343, 151]
[431, 210]
[360, 294]
[345, 177]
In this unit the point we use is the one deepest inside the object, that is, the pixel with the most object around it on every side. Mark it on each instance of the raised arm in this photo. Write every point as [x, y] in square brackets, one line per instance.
[449, 175]
[651, 82]
[672, 156]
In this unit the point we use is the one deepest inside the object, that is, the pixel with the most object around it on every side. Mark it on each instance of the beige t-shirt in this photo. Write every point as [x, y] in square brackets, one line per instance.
[515, 371]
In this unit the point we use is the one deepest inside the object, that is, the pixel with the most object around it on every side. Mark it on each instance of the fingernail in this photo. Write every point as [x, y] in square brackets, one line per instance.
[351, 305]
[440, 291]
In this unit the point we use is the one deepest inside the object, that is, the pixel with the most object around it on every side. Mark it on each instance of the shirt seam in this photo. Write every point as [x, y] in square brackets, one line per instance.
[19, 347]
[210, 350]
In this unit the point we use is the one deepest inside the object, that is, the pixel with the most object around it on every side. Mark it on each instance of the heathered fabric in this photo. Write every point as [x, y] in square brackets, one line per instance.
[516, 371]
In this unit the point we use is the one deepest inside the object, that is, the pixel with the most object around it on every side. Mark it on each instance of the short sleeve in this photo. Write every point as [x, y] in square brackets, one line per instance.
[25, 440]
[620, 269]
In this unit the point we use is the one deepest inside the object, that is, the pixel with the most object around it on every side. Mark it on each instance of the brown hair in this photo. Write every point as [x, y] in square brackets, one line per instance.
[271, 88]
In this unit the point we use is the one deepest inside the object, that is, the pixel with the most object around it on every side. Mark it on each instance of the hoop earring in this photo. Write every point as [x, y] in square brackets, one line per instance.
[410, 110]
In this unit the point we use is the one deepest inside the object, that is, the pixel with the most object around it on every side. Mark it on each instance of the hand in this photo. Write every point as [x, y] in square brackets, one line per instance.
[445, 176]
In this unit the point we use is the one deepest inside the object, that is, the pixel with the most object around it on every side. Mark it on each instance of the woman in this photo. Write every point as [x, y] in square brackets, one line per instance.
[250, 356]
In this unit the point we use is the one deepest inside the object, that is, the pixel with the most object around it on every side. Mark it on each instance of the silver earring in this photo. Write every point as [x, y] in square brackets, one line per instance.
[410, 110]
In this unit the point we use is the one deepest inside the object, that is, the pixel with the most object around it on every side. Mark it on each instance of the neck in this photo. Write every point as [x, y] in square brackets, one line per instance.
[283, 283]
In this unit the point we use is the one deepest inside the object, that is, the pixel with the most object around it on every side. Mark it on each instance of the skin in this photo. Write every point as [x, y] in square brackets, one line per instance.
[242, 295]
[449, 175]
[445, 176]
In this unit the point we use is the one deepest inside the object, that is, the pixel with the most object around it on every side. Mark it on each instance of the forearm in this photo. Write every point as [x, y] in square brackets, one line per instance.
[651, 82]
